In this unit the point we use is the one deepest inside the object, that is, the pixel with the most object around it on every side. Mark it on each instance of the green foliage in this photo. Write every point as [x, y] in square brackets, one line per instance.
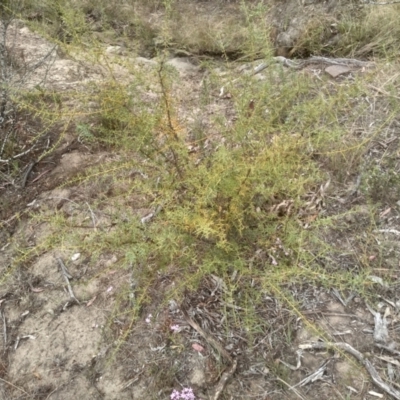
[212, 200]
[184, 203]
[375, 33]
[382, 183]
[213, 205]
[120, 119]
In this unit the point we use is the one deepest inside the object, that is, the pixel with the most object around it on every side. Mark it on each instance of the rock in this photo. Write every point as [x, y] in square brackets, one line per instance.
[145, 61]
[114, 50]
[336, 70]
[183, 65]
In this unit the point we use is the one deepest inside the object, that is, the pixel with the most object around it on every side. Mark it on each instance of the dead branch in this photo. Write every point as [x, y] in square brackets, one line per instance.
[92, 216]
[67, 277]
[388, 349]
[3, 316]
[394, 231]
[298, 364]
[315, 376]
[292, 388]
[15, 74]
[26, 173]
[298, 64]
[348, 62]
[374, 3]
[360, 357]
[381, 91]
[217, 346]
[15, 387]
[223, 380]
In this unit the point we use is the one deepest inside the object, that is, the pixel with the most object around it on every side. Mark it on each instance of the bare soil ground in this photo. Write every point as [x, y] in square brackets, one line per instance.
[57, 347]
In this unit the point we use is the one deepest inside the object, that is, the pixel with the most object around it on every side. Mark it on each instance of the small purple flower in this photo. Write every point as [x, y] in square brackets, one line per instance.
[175, 395]
[175, 328]
[185, 394]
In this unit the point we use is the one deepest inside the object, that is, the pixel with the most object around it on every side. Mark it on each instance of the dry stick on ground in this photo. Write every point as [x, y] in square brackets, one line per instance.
[223, 380]
[381, 91]
[315, 376]
[15, 387]
[292, 388]
[67, 277]
[26, 173]
[298, 365]
[394, 231]
[388, 349]
[217, 346]
[376, 3]
[92, 216]
[17, 74]
[3, 316]
[40, 175]
[348, 62]
[355, 353]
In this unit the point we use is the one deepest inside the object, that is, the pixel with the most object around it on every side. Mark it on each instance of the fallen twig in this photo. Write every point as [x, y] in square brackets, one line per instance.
[3, 316]
[27, 173]
[387, 348]
[15, 387]
[394, 231]
[132, 381]
[356, 354]
[223, 380]
[295, 391]
[51, 393]
[39, 176]
[376, 3]
[389, 360]
[207, 337]
[67, 277]
[298, 365]
[315, 376]
[217, 346]
[381, 91]
[298, 64]
[349, 62]
[381, 333]
[151, 215]
[92, 216]
[19, 338]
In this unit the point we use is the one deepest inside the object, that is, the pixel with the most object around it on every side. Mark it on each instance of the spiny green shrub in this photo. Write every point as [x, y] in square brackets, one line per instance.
[227, 196]
[211, 203]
